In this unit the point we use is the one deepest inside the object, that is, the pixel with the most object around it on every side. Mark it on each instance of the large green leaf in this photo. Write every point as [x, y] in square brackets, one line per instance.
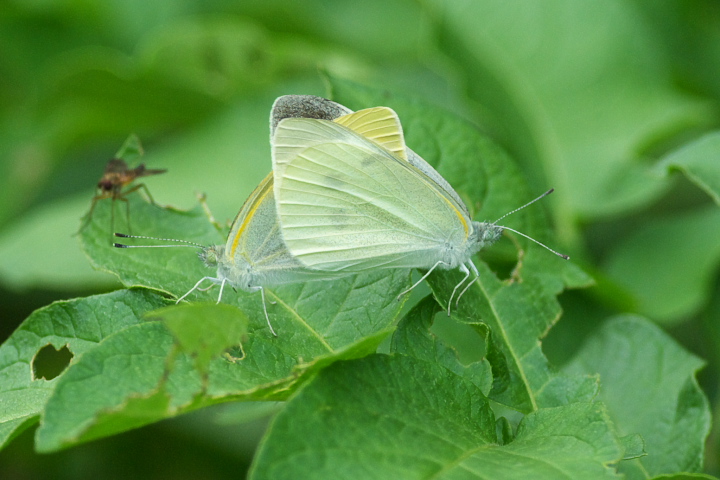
[56, 263]
[414, 338]
[157, 370]
[78, 325]
[401, 417]
[517, 314]
[648, 384]
[141, 374]
[317, 323]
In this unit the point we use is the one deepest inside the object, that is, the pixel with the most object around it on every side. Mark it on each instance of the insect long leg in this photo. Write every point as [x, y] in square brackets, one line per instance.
[465, 270]
[195, 287]
[440, 262]
[146, 190]
[262, 296]
[87, 218]
[477, 276]
[222, 287]
[127, 213]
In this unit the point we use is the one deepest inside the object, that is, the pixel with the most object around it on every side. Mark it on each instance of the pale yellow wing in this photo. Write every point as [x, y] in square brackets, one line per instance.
[379, 124]
[347, 204]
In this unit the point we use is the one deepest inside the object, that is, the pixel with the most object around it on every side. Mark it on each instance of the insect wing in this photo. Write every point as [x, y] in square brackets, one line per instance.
[348, 204]
[255, 233]
[379, 124]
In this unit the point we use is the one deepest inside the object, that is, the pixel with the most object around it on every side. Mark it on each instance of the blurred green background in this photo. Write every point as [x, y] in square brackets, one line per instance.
[588, 98]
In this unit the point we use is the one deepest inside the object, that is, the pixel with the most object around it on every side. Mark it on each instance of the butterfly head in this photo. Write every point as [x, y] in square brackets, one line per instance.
[483, 235]
[210, 256]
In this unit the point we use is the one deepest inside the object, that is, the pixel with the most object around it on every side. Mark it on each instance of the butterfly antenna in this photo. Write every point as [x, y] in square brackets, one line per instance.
[185, 243]
[526, 205]
[566, 257]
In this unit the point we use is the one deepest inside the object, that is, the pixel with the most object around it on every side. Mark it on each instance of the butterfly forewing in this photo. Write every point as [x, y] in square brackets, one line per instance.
[350, 205]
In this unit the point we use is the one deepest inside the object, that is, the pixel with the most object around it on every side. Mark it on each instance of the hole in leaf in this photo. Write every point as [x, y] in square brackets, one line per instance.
[467, 342]
[234, 354]
[502, 258]
[49, 362]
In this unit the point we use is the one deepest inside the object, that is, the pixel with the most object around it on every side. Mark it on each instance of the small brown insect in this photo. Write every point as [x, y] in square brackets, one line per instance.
[117, 176]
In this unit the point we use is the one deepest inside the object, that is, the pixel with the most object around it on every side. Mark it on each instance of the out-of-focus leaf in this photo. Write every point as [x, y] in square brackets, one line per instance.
[371, 28]
[547, 77]
[698, 161]
[669, 264]
[56, 262]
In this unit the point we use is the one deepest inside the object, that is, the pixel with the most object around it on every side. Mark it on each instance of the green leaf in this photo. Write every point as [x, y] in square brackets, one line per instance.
[698, 161]
[634, 446]
[413, 338]
[668, 264]
[147, 373]
[175, 269]
[219, 55]
[370, 28]
[517, 314]
[203, 331]
[316, 326]
[118, 386]
[401, 417]
[78, 325]
[649, 387]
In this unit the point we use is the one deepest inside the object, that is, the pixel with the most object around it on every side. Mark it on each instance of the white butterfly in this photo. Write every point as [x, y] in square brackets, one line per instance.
[351, 202]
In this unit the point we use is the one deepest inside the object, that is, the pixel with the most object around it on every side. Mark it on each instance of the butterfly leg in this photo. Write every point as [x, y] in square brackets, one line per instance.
[421, 279]
[267, 318]
[222, 287]
[465, 270]
[195, 287]
[477, 276]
